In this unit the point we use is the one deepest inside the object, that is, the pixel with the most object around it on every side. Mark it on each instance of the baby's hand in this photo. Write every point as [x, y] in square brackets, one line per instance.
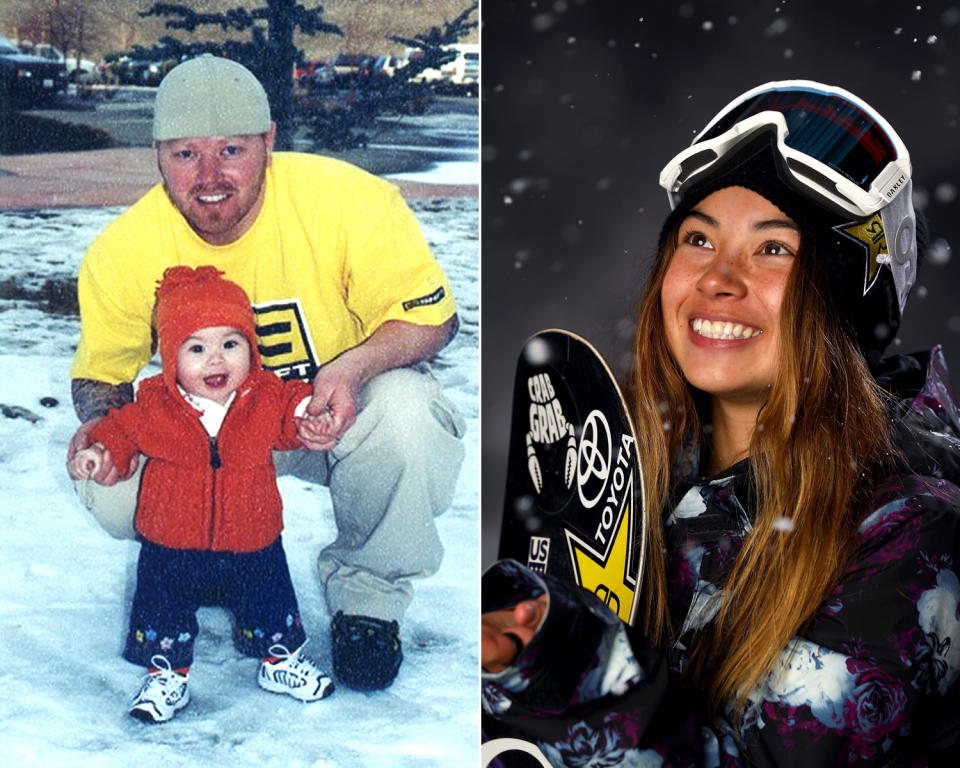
[316, 432]
[86, 462]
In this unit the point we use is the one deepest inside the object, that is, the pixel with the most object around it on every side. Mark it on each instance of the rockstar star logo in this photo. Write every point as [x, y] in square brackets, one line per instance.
[870, 235]
[608, 574]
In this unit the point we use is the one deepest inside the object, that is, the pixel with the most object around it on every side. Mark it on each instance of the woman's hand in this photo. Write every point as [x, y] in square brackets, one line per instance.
[503, 634]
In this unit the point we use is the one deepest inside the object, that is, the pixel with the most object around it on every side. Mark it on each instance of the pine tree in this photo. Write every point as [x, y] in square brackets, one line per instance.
[270, 53]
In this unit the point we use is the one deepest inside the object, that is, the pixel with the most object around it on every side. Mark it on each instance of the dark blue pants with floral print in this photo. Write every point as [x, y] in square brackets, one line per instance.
[173, 583]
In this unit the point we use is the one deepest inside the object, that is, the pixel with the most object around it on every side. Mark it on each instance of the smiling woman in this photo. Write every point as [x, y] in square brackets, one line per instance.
[721, 300]
[722, 292]
[802, 508]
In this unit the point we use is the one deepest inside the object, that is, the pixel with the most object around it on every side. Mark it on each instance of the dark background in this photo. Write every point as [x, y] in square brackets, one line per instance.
[584, 101]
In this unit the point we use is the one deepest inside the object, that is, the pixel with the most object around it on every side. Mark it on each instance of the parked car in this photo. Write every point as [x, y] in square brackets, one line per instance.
[130, 71]
[465, 68]
[462, 75]
[347, 66]
[383, 66]
[424, 76]
[155, 71]
[303, 72]
[312, 75]
[26, 79]
[82, 71]
[459, 74]
[141, 71]
[323, 76]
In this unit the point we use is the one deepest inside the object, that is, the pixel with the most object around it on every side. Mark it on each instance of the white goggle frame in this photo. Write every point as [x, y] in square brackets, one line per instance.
[810, 174]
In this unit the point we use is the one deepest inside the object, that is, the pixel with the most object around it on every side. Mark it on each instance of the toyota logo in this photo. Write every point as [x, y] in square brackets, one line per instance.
[593, 457]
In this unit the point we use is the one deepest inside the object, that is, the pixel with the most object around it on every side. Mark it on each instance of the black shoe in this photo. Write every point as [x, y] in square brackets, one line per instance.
[366, 651]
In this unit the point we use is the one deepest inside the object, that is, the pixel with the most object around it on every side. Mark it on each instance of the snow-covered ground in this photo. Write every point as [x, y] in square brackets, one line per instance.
[67, 586]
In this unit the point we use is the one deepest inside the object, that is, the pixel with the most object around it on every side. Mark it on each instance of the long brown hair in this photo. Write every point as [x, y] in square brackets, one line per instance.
[820, 435]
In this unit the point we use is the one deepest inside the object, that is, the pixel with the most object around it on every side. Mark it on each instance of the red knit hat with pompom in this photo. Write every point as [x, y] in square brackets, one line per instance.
[190, 299]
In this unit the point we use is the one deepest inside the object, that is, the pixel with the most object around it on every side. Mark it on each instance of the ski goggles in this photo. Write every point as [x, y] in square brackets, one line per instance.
[833, 145]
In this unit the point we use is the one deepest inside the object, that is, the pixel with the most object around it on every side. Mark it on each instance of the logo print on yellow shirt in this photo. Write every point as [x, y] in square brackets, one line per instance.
[284, 341]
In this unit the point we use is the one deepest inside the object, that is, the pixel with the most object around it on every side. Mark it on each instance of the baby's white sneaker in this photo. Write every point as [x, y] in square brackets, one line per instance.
[162, 694]
[294, 674]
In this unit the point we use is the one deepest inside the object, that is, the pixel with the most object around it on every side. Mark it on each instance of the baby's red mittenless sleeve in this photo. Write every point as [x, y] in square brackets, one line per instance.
[114, 433]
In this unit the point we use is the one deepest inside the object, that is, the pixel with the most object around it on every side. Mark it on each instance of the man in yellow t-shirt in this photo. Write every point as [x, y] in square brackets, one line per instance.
[346, 294]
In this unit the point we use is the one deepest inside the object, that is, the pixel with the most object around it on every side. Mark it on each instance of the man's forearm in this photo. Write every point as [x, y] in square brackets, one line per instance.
[396, 344]
[92, 399]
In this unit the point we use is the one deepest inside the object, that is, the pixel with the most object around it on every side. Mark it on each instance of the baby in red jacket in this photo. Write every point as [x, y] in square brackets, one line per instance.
[209, 513]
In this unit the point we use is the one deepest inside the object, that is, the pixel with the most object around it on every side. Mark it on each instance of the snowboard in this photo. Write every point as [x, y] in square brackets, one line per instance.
[573, 504]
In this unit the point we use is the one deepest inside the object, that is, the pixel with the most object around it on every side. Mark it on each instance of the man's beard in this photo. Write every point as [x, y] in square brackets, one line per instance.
[214, 221]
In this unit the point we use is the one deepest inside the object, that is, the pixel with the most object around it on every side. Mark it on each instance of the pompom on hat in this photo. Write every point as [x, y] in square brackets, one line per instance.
[210, 96]
[189, 299]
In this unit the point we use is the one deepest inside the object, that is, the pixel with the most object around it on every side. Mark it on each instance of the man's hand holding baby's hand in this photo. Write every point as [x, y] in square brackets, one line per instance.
[87, 462]
[317, 433]
[106, 473]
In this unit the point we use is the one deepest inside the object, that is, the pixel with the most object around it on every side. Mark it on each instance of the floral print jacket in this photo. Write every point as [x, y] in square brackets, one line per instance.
[872, 682]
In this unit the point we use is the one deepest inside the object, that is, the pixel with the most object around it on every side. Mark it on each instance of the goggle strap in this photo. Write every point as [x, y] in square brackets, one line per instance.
[900, 231]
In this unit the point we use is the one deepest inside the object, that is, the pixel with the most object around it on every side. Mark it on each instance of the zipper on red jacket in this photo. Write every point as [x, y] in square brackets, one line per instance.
[215, 464]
